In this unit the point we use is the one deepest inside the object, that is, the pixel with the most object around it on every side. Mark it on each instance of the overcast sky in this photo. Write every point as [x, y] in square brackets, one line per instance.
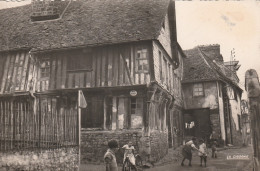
[232, 24]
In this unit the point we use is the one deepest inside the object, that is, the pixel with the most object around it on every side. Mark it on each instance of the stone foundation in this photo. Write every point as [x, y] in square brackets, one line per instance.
[94, 144]
[64, 159]
[159, 145]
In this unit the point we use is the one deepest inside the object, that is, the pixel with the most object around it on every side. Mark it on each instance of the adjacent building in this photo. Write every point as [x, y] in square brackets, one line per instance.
[212, 96]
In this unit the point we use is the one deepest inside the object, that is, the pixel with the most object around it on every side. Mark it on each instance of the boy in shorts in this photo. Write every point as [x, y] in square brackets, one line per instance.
[109, 157]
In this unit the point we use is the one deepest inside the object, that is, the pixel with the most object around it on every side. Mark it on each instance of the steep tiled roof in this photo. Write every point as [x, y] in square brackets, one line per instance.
[196, 68]
[85, 22]
[199, 66]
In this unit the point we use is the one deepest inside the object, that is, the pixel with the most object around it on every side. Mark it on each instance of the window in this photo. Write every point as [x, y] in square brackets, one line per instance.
[80, 61]
[45, 68]
[136, 112]
[142, 62]
[160, 66]
[198, 89]
[167, 72]
[169, 75]
[136, 106]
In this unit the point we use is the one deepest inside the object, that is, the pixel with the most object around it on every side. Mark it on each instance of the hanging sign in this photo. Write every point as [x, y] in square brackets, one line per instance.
[133, 92]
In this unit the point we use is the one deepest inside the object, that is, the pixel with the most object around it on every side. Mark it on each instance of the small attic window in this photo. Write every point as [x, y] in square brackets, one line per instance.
[47, 10]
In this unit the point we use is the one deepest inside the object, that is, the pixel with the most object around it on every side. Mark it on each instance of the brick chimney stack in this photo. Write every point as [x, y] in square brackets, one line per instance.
[47, 9]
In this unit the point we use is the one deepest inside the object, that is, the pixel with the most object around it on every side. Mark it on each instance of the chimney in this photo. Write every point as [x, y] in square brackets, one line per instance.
[47, 9]
[212, 51]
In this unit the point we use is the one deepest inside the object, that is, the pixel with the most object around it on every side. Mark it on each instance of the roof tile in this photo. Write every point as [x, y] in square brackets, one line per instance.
[85, 22]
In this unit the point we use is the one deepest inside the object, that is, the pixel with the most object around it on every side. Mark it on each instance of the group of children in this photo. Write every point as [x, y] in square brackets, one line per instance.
[129, 150]
[202, 151]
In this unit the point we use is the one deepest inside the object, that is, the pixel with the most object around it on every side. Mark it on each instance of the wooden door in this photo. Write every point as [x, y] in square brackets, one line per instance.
[93, 115]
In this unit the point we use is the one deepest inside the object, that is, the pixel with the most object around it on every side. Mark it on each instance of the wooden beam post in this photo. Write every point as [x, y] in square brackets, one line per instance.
[252, 87]
[114, 113]
[105, 113]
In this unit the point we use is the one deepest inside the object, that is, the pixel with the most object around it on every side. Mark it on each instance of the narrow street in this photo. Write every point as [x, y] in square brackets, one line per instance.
[219, 164]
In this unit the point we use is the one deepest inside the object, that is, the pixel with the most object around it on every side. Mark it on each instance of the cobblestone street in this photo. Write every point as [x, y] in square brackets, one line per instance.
[219, 164]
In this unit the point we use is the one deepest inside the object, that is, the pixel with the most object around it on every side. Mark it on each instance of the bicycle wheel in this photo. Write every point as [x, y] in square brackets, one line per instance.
[127, 166]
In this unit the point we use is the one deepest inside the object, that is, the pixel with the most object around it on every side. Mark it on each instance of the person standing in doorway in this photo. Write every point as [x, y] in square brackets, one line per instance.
[109, 157]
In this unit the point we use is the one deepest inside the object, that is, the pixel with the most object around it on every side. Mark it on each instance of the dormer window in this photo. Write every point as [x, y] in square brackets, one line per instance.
[44, 10]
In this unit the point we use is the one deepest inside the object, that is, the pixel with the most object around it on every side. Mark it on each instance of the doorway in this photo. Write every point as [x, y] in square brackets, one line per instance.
[197, 123]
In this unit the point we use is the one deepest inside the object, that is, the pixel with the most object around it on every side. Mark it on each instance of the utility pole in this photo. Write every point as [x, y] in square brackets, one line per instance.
[252, 87]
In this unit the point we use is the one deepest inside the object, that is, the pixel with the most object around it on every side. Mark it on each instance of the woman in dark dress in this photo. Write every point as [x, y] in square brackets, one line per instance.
[186, 151]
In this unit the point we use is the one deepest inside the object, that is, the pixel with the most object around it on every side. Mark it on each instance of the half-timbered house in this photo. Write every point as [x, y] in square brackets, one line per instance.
[212, 96]
[122, 54]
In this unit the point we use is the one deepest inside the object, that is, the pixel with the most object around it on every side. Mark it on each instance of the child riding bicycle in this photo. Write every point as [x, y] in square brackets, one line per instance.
[129, 152]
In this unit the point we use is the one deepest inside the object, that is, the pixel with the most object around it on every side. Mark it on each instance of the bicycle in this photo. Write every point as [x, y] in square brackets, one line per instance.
[127, 165]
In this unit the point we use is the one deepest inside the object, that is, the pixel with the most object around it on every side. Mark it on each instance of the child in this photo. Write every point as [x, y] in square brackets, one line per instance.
[214, 149]
[203, 152]
[109, 157]
[129, 152]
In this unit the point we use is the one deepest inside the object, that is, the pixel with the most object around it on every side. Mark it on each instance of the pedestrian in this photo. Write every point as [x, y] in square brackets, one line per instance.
[109, 157]
[186, 151]
[214, 149]
[203, 152]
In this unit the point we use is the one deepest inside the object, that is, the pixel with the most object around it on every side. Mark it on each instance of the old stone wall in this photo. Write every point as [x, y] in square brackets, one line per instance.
[63, 159]
[159, 144]
[94, 144]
